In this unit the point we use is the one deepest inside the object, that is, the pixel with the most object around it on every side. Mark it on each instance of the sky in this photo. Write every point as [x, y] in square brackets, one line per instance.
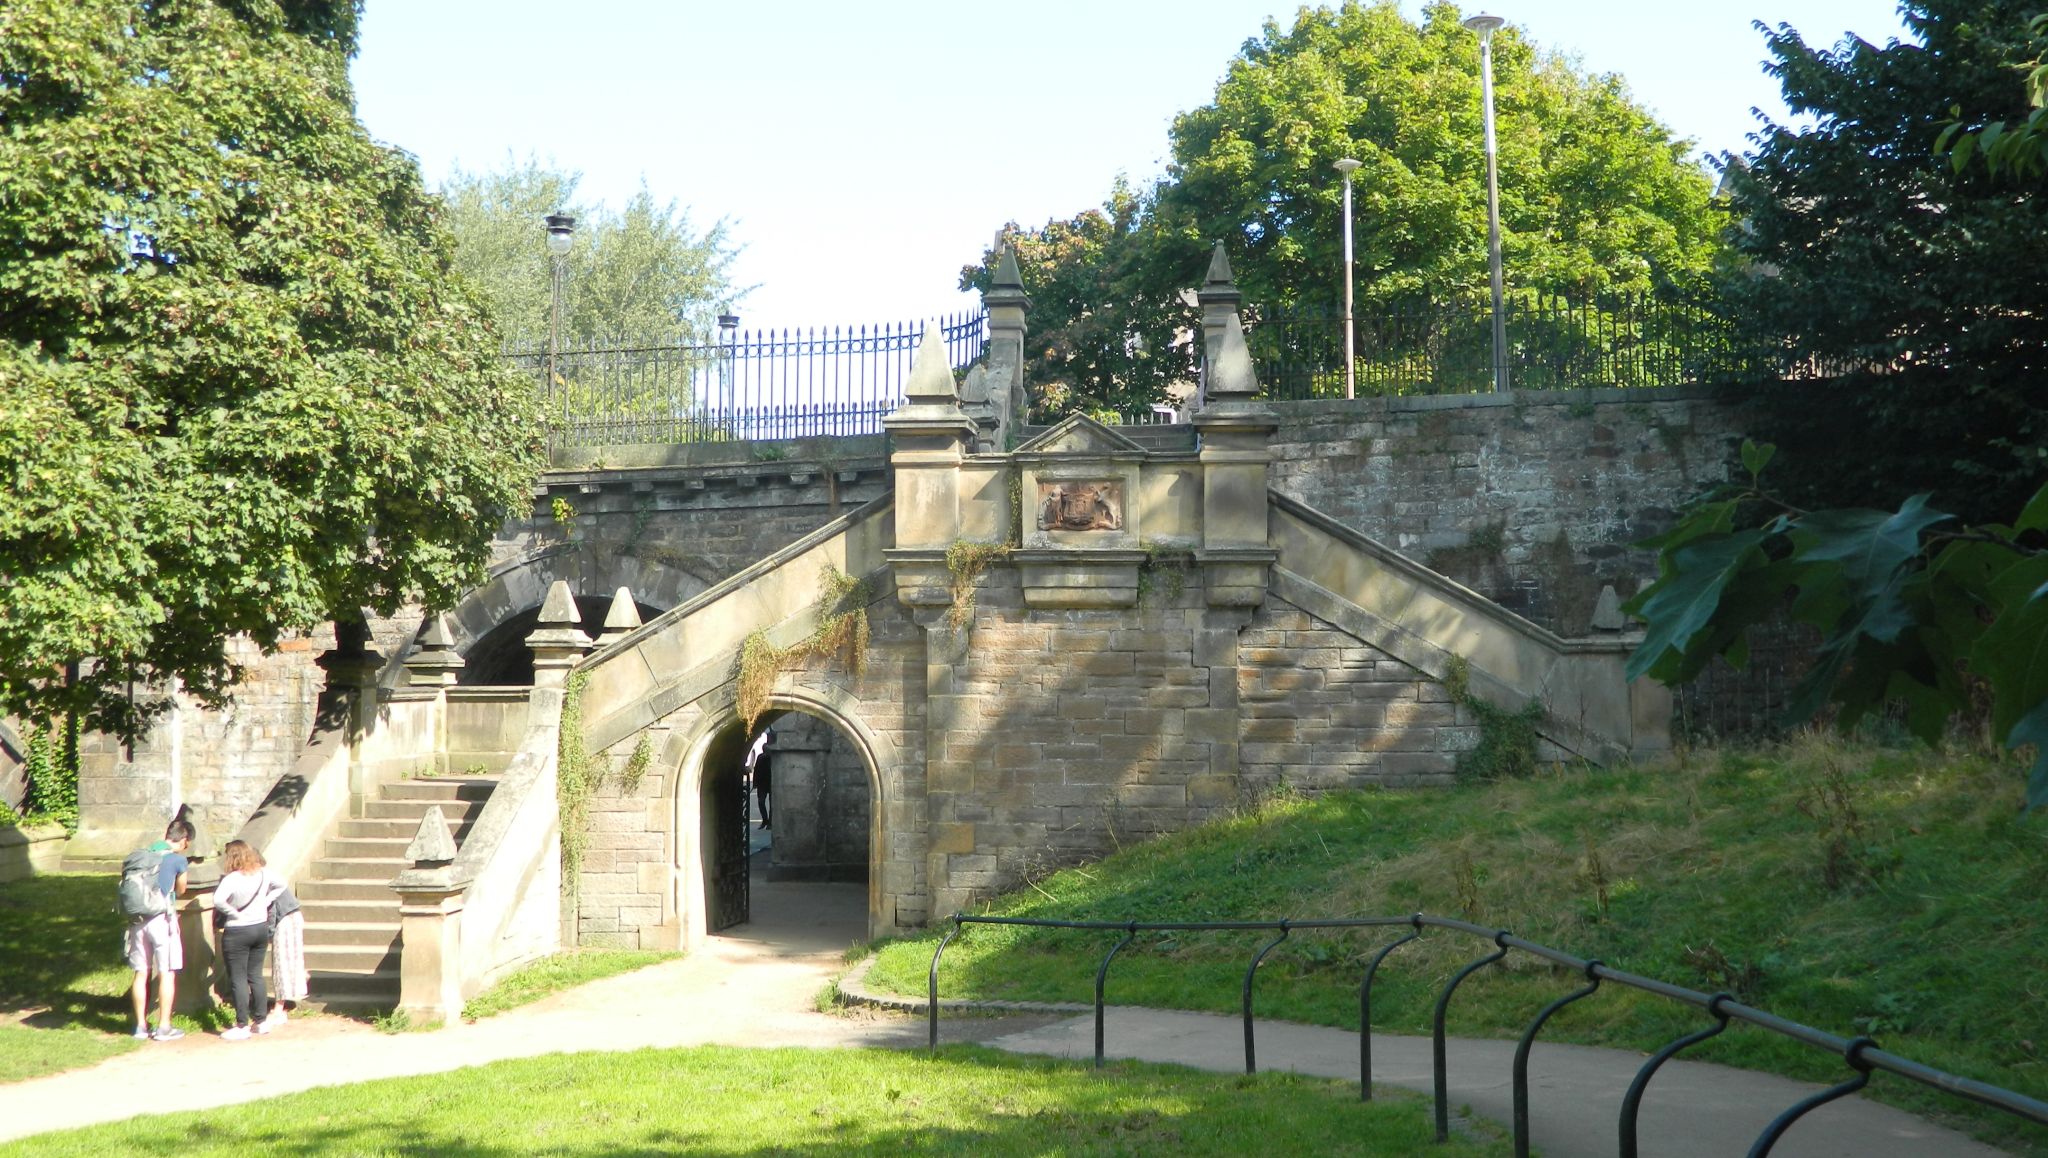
[863, 152]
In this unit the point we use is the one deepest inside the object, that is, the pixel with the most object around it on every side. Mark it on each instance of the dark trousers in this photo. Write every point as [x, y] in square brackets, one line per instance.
[244, 947]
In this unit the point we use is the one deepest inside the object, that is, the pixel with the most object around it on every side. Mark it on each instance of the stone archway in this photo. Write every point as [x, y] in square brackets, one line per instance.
[492, 622]
[703, 790]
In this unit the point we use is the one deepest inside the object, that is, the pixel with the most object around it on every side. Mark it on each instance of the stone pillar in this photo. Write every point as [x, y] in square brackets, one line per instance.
[430, 904]
[1007, 306]
[558, 643]
[931, 435]
[1235, 433]
[621, 619]
[352, 668]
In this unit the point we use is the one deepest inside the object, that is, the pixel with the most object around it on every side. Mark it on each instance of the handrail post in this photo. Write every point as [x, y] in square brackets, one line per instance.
[1443, 1003]
[1251, 1064]
[1632, 1101]
[1851, 1053]
[931, 984]
[1528, 1041]
[1101, 976]
[1365, 1010]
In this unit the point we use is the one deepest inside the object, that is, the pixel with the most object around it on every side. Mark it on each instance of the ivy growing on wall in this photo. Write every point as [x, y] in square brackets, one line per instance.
[1507, 740]
[577, 776]
[52, 773]
[967, 562]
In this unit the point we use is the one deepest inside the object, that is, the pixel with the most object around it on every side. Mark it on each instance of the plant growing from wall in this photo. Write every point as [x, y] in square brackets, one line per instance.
[1507, 740]
[967, 562]
[1163, 567]
[577, 776]
[842, 630]
[636, 765]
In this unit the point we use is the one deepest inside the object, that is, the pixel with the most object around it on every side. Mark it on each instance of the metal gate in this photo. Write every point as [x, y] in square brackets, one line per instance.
[730, 898]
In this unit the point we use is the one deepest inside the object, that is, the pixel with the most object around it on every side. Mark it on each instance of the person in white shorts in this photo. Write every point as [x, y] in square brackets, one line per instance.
[153, 945]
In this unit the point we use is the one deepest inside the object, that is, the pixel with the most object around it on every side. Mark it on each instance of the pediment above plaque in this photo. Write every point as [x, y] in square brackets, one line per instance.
[1083, 436]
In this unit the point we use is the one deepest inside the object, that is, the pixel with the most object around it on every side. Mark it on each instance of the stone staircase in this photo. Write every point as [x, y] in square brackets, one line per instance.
[351, 913]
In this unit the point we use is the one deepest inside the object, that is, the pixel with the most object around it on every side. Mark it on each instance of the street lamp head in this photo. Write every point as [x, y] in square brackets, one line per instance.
[1346, 166]
[561, 233]
[1484, 25]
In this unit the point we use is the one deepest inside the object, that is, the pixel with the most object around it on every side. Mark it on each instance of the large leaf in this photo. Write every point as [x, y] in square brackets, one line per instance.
[1681, 604]
[2032, 728]
[1870, 547]
[2012, 653]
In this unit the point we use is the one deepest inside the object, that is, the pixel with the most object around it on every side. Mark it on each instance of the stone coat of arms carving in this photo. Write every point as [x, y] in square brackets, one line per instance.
[1078, 506]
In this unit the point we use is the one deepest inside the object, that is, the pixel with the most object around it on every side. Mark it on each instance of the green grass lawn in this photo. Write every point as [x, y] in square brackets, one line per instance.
[738, 1101]
[1859, 890]
[552, 974]
[61, 973]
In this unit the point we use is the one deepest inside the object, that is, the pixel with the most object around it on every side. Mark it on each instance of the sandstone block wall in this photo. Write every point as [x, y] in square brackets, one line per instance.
[1533, 499]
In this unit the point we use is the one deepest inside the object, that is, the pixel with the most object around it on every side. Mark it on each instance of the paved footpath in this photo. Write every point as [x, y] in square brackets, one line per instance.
[758, 988]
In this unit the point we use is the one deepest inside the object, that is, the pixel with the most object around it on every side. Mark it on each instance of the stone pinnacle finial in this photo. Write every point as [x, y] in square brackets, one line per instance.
[622, 619]
[931, 377]
[431, 845]
[1230, 373]
[436, 663]
[1219, 286]
[1007, 274]
[558, 644]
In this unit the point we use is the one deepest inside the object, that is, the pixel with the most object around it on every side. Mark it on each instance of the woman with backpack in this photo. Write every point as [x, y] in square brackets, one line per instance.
[241, 911]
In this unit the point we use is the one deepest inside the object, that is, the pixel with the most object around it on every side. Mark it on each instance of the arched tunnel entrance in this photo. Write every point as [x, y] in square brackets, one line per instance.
[787, 813]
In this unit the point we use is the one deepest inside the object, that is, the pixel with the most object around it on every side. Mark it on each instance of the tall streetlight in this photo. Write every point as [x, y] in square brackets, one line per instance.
[561, 236]
[1486, 26]
[1348, 166]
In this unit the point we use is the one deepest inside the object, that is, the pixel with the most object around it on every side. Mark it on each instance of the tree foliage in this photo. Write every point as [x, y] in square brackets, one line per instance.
[1595, 194]
[240, 391]
[1914, 285]
[1914, 608]
[637, 273]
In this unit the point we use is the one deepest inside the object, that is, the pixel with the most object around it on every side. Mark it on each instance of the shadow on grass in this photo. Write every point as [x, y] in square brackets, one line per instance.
[60, 952]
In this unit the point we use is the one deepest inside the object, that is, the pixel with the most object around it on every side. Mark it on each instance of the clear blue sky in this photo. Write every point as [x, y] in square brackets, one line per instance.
[863, 152]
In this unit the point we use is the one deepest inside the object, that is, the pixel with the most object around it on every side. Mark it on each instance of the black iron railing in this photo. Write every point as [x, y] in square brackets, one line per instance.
[1554, 343]
[1860, 1054]
[744, 385]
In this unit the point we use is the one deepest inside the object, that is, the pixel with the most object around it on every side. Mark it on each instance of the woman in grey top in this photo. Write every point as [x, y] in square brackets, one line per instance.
[241, 908]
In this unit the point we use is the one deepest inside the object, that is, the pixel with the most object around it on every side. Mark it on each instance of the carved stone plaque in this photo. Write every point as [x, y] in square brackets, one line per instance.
[1081, 506]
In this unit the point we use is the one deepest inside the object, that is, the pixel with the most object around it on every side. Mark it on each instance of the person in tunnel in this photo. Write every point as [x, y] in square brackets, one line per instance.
[763, 776]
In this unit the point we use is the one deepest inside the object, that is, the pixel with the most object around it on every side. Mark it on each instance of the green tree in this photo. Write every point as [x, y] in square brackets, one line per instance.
[1913, 285]
[240, 389]
[1596, 196]
[636, 274]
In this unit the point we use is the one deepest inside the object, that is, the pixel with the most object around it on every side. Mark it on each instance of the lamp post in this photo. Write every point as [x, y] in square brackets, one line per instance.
[1486, 26]
[728, 332]
[1348, 166]
[561, 236]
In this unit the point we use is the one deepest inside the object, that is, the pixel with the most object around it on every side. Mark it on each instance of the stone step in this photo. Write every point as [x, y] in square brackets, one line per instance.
[353, 990]
[352, 958]
[401, 828]
[438, 790]
[353, 911]
[459, 811]
[319, 890]
[381, 869]
[366, 848]
[330, 934]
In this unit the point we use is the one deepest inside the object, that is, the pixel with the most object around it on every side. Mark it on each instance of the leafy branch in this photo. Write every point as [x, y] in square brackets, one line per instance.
[1908, 615]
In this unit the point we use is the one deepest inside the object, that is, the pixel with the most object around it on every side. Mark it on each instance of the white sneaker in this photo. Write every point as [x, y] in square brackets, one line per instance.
[238, 1033]
[259, 1027]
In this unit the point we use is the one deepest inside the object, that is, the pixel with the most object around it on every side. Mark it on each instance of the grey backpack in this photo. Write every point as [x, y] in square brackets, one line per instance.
[141, 896]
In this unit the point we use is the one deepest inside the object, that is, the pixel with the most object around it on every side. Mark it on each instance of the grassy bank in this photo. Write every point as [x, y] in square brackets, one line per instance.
[551, 975]
[1859, 890]
[735, 1101]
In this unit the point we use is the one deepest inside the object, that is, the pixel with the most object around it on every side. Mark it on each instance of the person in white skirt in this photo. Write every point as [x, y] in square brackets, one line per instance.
[288, 976]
